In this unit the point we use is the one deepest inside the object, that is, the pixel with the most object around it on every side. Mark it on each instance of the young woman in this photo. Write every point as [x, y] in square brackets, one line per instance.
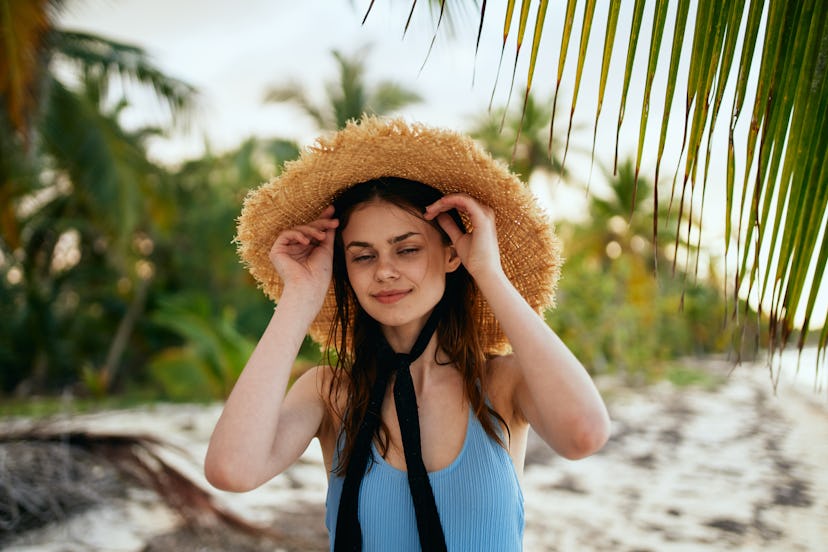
[422, 264]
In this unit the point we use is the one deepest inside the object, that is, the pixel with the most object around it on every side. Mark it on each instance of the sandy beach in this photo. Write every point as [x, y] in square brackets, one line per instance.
[735, 467]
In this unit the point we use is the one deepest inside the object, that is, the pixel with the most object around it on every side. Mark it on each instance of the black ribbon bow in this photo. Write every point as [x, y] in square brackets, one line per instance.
[348, 529]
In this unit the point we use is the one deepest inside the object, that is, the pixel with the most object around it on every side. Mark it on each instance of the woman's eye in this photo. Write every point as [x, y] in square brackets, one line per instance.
[408, 251]
[362, 258]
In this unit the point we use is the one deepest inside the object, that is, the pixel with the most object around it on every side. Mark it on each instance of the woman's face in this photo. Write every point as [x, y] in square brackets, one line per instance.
[396, 263]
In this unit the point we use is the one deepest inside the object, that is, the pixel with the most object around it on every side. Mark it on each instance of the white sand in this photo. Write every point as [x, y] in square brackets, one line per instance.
[739, 468]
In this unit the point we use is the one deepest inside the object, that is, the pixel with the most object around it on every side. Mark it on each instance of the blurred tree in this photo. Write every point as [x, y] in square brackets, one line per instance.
[617, 314]
[203, 295]
[349, 97]
[621, 222]
[521, 139]
[78, 198]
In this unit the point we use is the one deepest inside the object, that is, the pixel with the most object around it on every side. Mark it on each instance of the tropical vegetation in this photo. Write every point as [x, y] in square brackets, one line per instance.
[118, 273]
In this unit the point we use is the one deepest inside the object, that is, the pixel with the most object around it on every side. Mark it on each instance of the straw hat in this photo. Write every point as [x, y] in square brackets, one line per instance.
[446, 160]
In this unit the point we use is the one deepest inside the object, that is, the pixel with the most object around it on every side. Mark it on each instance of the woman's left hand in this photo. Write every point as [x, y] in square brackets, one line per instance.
[478, 249]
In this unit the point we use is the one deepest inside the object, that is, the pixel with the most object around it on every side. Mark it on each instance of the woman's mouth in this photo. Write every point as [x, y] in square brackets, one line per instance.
[389, 297]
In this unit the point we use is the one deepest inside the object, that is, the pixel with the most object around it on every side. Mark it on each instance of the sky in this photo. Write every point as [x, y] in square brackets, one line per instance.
[233, 55]
[234, 51]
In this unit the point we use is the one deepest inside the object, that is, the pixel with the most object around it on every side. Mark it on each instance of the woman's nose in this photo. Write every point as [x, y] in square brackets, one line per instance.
[386, 270]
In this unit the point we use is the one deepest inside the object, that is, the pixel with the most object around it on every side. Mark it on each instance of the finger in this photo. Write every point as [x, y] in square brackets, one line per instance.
[292, 236]
[328, 241]
[312, 231]
[327, 212]
[325, 223]
[462, 202]
[450, 227]
[327, 217]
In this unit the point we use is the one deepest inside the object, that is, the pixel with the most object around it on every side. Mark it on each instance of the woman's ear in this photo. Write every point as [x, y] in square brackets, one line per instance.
[453, 261]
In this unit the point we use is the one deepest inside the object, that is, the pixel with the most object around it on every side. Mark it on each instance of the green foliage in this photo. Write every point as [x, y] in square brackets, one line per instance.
[96, 238]
[213, 351]
[766, 62]
[78, 193]
[619, 317]
[616, 311]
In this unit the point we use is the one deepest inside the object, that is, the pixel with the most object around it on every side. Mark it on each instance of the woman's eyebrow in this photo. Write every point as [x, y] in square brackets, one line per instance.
[403, 237]
[395, 239]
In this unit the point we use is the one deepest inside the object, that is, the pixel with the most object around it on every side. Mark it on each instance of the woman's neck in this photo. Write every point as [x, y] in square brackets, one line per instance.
[402, 341]
[402, 338]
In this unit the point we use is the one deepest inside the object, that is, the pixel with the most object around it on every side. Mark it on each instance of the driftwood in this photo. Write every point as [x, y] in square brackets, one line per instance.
[48, 473]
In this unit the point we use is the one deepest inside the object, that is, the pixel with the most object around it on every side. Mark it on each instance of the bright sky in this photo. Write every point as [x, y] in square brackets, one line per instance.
[233, 55]
[234, 51]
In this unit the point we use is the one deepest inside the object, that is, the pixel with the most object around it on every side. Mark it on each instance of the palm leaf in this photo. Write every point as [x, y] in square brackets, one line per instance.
[348, 97]
[775, 179]
[772, 136]
[479, 34]
[524, 18]
[141, 459]
[655, 49]
[609, 42]
[541, 15]
[675, 56]
[586, 27]
[107, 166]
[107, 59]
[507, 25]
[565, 37]
[437, 28]
[638, 15]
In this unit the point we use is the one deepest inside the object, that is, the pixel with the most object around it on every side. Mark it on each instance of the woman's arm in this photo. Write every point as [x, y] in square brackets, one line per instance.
[554, 392]
[262, 431]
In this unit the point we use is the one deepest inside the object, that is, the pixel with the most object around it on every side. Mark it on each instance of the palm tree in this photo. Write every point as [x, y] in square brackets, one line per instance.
[349, 97]
[620, 223]
[77, 193]
[37, 103]
[782, 156]
[520, 139]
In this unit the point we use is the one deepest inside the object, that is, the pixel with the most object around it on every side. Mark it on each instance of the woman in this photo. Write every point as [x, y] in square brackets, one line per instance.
[440, 261]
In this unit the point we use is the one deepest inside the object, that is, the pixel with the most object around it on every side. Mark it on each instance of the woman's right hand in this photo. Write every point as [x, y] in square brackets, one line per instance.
[262, 430]
[303, 255]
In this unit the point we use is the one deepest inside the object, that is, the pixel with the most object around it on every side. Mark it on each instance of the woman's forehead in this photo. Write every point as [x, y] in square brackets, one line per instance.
[380, 219]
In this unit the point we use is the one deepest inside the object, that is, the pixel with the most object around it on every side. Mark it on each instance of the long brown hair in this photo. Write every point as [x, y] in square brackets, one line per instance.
[354, 334]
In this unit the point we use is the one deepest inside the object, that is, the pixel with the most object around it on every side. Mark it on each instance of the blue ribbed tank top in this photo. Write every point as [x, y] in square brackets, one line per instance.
[478, 497]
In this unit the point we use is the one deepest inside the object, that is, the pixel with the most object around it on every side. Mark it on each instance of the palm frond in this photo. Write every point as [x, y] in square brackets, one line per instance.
[107, 59]
[294, 93]
[107, 166]
[391, 96]
[141, 459]
[349, 96]
[775, 208]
